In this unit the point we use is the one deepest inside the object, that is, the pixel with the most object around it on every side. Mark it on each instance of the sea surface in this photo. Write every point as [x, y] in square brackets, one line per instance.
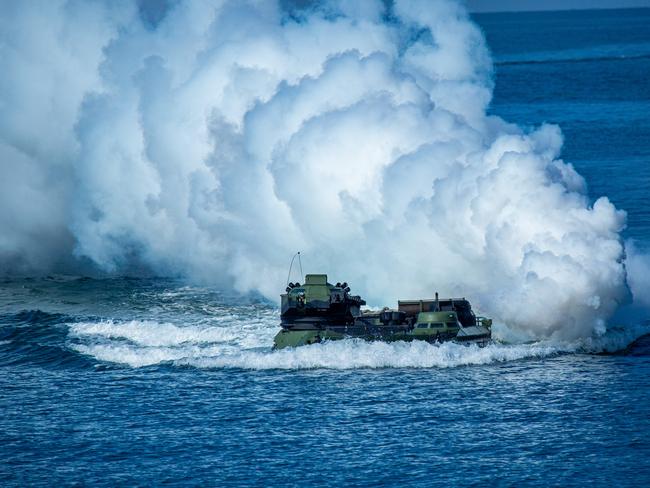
[143, 382]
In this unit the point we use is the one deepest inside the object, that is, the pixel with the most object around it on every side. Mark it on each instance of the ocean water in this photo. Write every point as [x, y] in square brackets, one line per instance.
[153, 381]
[588, 72]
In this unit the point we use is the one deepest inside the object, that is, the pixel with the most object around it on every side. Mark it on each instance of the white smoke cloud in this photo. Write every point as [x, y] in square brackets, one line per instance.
[218, 142]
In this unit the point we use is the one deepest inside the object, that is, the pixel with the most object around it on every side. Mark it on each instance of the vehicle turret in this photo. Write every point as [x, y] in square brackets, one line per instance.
[319, 301]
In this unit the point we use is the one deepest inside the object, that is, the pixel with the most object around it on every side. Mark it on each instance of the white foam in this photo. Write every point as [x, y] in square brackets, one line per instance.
[153, 334]
[247, 345]
[354, 354]
[138, 357]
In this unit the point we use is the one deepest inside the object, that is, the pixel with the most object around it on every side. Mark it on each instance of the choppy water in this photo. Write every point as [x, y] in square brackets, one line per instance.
[554, 421]
[153, 381]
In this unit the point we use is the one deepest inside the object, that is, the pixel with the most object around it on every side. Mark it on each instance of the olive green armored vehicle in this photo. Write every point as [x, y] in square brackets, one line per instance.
[319, 311]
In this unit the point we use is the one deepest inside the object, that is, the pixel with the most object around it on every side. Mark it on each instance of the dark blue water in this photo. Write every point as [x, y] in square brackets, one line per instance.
[151, 382]
[588, 72]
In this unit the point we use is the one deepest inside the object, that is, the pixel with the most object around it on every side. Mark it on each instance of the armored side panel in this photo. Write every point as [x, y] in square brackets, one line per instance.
[459, 305]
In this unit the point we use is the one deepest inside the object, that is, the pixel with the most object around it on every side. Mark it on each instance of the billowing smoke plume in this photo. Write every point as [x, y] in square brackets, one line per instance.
[216, 142]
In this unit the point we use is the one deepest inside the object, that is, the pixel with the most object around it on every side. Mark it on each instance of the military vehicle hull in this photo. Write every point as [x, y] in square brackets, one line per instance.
[296, 338]
[318, 311]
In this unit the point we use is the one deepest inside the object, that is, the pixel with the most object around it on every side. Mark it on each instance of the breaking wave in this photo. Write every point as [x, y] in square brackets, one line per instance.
[140, 344]
[198, 329]
[569, 59]
[592, 54]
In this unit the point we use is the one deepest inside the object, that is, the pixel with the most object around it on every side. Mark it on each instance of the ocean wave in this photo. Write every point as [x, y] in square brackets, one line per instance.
[595, 54]
[153, 334]
[253, 331]
[248, 346]
[340, 355]
[37, 337]
[568, 59]
[355, 354]
[234, 341]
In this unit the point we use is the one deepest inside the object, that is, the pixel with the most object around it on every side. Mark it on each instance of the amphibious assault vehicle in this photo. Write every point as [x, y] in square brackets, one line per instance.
[317, 311]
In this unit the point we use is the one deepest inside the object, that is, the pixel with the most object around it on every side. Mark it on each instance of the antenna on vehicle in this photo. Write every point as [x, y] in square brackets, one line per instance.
[302, 276]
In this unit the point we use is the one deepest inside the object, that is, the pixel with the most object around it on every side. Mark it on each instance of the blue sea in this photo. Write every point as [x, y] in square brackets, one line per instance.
[154, 381]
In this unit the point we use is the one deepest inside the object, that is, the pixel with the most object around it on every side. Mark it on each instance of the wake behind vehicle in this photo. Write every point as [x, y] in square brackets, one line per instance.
[317, 311]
